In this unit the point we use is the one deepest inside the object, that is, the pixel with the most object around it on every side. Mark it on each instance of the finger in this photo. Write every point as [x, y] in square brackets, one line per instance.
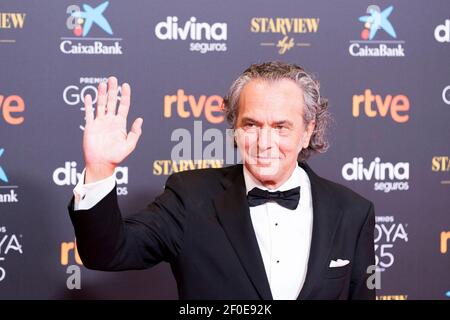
[112, 96]
[124, 105]
[134, 134]
[89, 113]
[101, 99]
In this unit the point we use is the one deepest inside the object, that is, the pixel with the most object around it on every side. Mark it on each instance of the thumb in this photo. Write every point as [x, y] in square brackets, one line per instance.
[134, 134]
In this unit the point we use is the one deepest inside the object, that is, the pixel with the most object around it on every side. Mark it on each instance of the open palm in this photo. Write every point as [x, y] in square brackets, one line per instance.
[106, 142]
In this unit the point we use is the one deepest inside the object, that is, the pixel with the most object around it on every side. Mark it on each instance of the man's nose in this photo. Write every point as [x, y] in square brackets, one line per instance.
[265, 138]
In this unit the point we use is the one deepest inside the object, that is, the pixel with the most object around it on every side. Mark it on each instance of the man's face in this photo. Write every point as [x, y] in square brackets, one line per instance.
[270, 131]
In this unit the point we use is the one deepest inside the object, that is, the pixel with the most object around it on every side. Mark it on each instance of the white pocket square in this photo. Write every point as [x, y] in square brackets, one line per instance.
[338, 263]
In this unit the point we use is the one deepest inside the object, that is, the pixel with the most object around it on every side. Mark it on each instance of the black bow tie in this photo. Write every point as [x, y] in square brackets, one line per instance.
[288, 199]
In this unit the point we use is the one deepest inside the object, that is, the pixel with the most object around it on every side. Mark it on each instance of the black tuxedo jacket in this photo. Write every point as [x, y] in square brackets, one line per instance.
[201, 225]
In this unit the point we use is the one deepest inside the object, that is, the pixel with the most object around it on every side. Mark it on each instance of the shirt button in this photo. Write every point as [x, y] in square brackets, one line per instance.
[276, 224]
[278, 261]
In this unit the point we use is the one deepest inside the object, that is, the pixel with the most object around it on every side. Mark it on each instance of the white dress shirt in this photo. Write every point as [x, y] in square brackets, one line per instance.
[283, 235]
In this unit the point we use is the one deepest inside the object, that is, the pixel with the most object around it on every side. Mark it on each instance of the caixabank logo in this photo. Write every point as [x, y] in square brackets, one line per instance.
[389, 233]
[284, 33]
[378, 37]
[68, 176]
[203, 37]
[73, 94]
[10, 22]
[10, 245]
[388, 176]
[9, 193]
[91, 32]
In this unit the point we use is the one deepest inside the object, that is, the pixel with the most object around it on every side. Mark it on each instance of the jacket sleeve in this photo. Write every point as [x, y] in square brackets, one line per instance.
[107, 242]
[364, 257]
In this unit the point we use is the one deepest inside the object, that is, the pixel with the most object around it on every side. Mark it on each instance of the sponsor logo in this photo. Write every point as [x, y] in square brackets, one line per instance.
[286, 30]
[397, 175]
[442, 32]
[204, 37]
[445, 239]
[11, 21]
[8, 193]
[167, 167]
[81, 22]
[69, 252]
[377, 24]
[388, 233]
[446, 95]
[187, 106]
[393, 297]
[68, 176]
[12, 108]
[441, 165]
[73, 94]
[10, 244]
[373, 105]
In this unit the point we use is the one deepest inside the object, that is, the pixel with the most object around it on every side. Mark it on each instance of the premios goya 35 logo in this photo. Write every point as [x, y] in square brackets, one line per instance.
[388, 233]
[73, 94]
[10, 244]
[81, 21]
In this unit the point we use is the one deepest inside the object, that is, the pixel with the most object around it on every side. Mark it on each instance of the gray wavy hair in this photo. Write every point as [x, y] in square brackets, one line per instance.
[316, 106]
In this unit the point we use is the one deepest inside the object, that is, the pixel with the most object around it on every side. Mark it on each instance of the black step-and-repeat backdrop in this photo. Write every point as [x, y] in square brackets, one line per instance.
[384, 66]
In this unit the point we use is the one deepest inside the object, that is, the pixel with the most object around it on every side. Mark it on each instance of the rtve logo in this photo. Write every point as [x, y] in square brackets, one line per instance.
[445, 237]
[11, 108]
[397, 107]
[188, 106]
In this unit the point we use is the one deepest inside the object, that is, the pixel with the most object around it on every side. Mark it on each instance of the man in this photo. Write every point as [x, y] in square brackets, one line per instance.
[269, 228]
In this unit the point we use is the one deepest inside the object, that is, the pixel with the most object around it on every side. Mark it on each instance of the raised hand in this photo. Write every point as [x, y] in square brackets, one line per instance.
[106, 142]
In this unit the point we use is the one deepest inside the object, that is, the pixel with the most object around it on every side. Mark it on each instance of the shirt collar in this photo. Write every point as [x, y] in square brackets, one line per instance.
[292, 182]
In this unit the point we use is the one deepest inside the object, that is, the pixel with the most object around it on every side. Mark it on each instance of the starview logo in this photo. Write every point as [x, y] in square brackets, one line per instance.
[80, 22]
[376, 20]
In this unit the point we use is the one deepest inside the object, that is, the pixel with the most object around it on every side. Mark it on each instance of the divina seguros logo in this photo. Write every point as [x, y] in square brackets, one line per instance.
[368, 46]
[204, 37]
[81, 22]
[68, 176]
[397, 175]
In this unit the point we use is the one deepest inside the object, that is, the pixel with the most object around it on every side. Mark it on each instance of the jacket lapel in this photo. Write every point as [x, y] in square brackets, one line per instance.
[326, 219]
[234, 215]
